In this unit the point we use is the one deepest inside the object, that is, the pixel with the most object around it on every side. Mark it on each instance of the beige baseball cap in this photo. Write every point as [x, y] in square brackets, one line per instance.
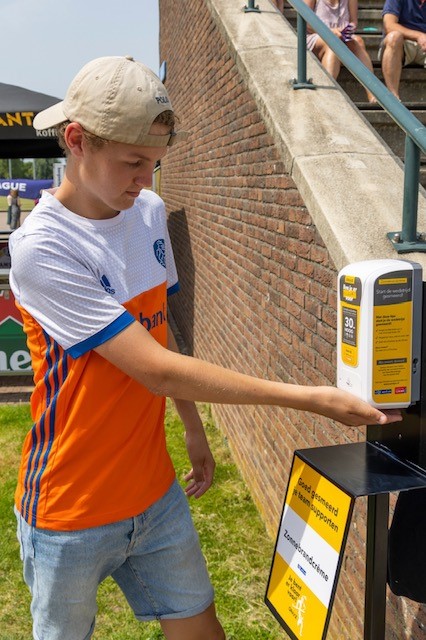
[115, 98]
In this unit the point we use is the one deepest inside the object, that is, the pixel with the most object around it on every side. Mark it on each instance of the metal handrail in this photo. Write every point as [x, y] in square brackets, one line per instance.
[408, 239]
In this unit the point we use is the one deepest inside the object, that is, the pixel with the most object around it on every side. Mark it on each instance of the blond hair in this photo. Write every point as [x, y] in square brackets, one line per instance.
[165, 117]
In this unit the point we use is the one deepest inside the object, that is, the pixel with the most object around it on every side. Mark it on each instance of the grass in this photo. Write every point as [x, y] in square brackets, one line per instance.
[26, 204]
[236, 545]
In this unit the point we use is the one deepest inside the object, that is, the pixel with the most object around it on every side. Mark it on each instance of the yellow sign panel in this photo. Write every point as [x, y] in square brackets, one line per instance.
[392, 339]
[308, 552]
[392, 281]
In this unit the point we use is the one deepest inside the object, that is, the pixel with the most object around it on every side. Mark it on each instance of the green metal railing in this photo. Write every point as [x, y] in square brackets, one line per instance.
[408, 239]
[250, 7]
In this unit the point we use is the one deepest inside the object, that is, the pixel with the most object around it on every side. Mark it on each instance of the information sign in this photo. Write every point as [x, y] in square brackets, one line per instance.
[308, 552]
[392, 328]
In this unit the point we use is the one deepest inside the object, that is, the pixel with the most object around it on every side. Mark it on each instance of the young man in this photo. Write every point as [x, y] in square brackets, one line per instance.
[91, 270]
[404, 25]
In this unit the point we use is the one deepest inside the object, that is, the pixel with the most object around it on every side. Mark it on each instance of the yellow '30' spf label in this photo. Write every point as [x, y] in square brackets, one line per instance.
[350, 307]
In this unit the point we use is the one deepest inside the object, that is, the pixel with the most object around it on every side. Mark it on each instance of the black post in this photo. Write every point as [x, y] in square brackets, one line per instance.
[406, 440]
[376, 567]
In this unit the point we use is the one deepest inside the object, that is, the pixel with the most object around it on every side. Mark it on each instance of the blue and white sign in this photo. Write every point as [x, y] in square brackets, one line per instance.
[26, 188]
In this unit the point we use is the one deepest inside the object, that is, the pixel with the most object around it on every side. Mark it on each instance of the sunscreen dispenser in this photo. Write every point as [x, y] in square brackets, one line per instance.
[379, 331]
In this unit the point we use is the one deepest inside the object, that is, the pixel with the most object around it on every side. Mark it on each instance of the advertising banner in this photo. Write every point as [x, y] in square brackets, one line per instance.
[14, 353]
[26, 188]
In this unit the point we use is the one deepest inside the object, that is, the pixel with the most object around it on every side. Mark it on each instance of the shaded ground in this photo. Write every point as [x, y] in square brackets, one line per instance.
[15, 388]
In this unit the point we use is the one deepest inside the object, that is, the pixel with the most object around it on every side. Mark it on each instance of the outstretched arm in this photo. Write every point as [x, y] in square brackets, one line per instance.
[166, 373]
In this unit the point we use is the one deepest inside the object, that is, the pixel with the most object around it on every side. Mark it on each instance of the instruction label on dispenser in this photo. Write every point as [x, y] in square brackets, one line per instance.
[350, 296]
[392, 337]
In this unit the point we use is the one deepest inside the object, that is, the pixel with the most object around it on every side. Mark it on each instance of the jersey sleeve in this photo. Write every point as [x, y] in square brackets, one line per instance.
[57, 287]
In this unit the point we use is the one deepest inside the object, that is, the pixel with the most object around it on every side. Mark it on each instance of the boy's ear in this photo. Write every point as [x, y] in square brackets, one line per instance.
[74, 138]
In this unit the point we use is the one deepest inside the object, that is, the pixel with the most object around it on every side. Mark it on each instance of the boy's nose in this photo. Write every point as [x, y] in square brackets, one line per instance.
[144, 180]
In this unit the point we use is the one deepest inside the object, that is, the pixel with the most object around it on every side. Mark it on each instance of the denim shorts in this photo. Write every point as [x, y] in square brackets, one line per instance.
[155, 558]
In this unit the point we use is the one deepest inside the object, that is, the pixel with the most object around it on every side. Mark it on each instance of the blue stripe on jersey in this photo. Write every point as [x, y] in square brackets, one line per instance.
[51, 428]
[37, 444]
[120, 323]
[173, 289]
[27, 494]
[32, 481]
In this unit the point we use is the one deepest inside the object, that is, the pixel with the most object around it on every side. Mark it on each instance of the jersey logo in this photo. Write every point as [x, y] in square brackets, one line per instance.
[160, 251]
[106, 285]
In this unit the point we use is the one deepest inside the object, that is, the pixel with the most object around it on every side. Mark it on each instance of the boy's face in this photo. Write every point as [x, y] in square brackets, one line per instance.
[114, 175]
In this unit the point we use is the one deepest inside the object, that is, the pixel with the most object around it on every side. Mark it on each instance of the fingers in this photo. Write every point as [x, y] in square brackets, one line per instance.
[386, 416]
[375, 416]
[390, 415]
[197, 486]
[196, 489]
[354, 412]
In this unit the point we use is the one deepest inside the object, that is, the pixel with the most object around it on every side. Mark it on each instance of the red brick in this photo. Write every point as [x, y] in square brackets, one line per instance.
[258, 286]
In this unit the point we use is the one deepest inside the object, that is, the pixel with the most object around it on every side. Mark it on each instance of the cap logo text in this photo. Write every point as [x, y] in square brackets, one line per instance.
[162, 100]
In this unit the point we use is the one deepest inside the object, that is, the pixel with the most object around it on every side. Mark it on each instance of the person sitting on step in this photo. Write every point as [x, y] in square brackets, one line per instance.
[341, 16]
[404, 42]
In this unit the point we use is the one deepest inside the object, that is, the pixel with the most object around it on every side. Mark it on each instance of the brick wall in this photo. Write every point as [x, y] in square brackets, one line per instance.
[258, 287]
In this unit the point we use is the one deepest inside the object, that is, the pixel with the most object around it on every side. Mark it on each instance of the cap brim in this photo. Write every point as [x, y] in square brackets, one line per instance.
[50, 117]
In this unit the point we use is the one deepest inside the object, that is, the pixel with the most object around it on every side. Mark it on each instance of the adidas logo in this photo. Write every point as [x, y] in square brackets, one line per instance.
[107, 285]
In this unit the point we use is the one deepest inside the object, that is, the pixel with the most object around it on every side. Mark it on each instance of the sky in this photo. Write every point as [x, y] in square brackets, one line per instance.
[44, 43]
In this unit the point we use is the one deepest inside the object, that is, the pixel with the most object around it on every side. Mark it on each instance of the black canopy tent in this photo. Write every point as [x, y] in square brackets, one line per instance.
[18, 138]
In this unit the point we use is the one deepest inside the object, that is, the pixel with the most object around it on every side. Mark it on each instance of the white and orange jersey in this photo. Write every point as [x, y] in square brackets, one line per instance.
[96, 452]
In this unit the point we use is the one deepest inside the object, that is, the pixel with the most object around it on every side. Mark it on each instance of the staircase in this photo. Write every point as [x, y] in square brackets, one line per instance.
[412, 88]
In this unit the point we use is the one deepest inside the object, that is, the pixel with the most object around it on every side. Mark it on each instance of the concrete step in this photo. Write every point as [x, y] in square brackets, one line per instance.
[386, 127]
[17, 388]
[372, 39]
[366, 18]
[372, 43]
[369, 18]
[371, 4]
[363, 4]
[412, 88]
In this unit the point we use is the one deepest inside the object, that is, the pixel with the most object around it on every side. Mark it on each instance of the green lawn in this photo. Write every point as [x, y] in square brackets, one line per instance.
[237, 548]
[26, 204]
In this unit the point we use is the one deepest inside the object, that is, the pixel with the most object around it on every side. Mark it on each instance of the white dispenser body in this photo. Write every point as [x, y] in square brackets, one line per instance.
[379, 331]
